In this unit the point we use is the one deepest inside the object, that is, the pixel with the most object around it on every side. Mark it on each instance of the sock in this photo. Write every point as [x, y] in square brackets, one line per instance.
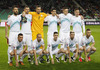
[40, 56]
[91, 52]
[31, 56]
[21, 58]
[73, 55]
[28, 55]
[47, 56]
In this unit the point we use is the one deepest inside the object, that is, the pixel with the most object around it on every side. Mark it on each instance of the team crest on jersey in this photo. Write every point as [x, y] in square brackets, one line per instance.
[41, 15]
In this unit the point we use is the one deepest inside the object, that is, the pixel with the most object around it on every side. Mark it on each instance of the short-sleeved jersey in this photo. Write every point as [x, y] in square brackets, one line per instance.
[88, 40]
[65, 22]
[77, 24]
[54, 44]
[52, 23]
[37, 45]
[14, 23]
[26, 27]
[18, 45]
[37, 21]
[70, 43]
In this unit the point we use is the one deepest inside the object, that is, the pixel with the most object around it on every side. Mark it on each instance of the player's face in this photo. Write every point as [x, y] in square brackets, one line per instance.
[88, 33]
[20, 38]
[26, 10]
[39, 38]
[53, 12]
[15, 11]
[76, 12]
[55, 36]
[72, 35]
[38, 10]
[65, 11]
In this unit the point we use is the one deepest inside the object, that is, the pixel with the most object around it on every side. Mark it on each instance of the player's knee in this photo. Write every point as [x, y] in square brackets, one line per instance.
[31, 52]
[11, 53]
[94, 49]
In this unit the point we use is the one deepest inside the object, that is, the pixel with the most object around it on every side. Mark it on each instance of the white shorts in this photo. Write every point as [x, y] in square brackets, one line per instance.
[79, 37]
[72, 49]
[28, 39]
[12, 36]
[49, 37]
[55, 51]
[63, 35]
[11, 49]
[87, 47]
[38, 51]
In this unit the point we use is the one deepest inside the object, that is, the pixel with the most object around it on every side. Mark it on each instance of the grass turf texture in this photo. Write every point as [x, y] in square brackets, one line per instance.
[94, 64]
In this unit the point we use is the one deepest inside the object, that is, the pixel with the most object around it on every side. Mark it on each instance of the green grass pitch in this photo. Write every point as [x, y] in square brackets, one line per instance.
[94, 64]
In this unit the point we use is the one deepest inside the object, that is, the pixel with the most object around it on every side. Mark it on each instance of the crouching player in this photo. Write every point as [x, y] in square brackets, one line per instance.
[72, 45]
[53, 48]
[17, 49]
[37, 48]
[88, 39]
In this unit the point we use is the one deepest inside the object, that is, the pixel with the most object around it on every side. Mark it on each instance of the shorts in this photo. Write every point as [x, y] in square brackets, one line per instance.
[63, 35]
[38, 51]
[87, 47]
[11, 49]
[72, 49]
[28, 39]
[79, 37]
[12, 36]
[55, 51]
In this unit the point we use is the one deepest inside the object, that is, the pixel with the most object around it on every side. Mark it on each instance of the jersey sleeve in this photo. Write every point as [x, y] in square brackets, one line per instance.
[51, 50]
[92, 39]
[76, 41]
[46, 19]
[31, 13]
[42, 43]
[34, 45]
[83, 24]
[9, 21]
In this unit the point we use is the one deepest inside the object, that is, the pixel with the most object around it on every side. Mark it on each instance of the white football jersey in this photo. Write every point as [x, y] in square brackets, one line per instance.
[14, 23]
[77, 24]
[65, 22]
[26, 27]
[88, 40]
[37, 45]
[52, 23]
[70, 43]
[18, 45]
[54, 44]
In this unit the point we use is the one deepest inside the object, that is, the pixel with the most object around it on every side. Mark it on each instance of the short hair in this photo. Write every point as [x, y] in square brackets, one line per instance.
[26, 7]
[15, 6]
[38, 6]
[38, 35]
[88, 29]
[65, 8]
[72, 32]
[53, 8]
[55, 33]
[20, 34]
[76, 9]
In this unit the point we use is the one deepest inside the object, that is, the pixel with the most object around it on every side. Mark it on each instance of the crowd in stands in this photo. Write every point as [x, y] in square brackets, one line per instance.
[92, 7]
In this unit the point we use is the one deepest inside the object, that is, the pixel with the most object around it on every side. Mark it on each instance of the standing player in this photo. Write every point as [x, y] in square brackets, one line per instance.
[65, 20]
[52, 25]
[77, 24]
[53, 46]
[37, 22]
[26, 27]
[14, 23]
[17, 49]
[88, 39]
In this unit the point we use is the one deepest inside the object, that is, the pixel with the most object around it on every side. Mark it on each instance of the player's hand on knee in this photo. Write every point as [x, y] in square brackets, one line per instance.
[70, 60]
[52, 61]
[17, 64]
[36, 62]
